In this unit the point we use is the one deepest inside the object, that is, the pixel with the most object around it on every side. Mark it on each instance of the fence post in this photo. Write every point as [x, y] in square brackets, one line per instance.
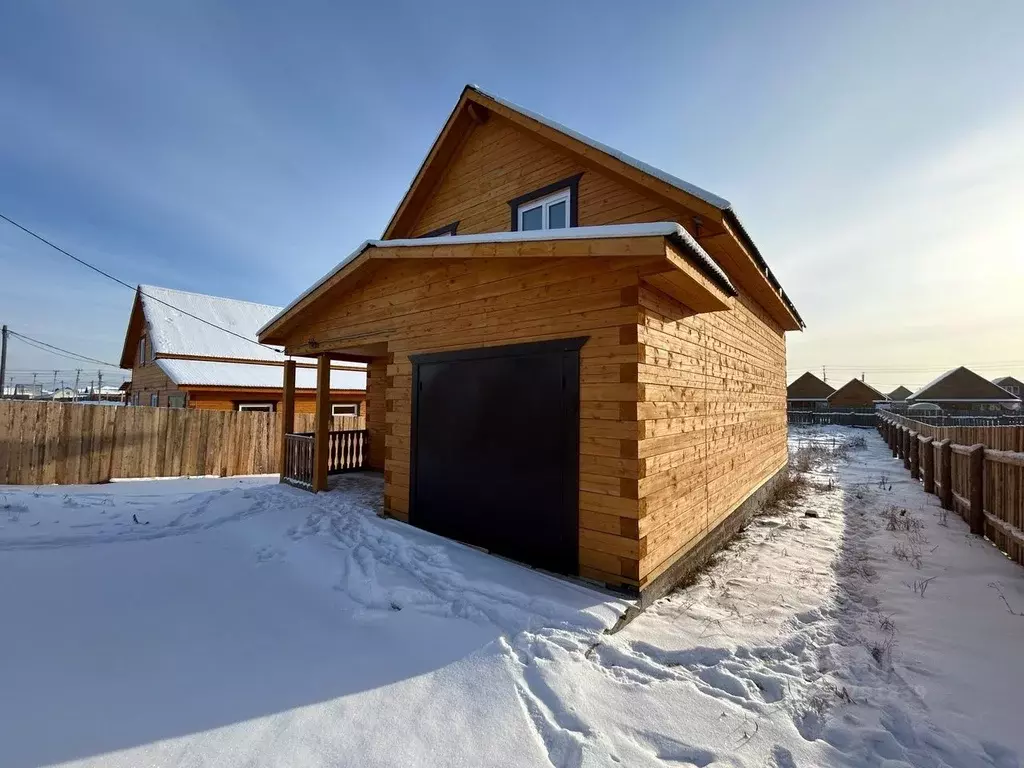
[946, 473]
[928, 464]
[905, 453]
[915, 457]
[892, 438]
[977, 511]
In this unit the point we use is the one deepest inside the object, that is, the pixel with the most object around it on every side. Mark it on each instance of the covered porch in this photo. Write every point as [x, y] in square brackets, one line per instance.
[309, 459]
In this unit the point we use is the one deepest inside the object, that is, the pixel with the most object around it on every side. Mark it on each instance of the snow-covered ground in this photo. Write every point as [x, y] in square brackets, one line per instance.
[240, 622]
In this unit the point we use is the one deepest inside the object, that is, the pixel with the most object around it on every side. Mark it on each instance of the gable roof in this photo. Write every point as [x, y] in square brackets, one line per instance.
[169, 318]
[900, 393]
[858, 388]
[715, 290]
[1002, 381]
[809, 387]
[474, 106]
[962, 385]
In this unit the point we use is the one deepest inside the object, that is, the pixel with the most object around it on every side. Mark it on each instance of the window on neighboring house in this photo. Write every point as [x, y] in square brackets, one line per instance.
[154, 399]
[344, 409]
[552, 207]
[264, 407]
[175, 401]
[142, 350]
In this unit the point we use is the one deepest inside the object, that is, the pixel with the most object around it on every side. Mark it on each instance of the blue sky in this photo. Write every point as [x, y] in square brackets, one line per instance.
[875, 151]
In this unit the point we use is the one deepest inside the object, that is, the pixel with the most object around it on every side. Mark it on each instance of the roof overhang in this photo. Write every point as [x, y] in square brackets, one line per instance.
[675, 262]
[730, 244]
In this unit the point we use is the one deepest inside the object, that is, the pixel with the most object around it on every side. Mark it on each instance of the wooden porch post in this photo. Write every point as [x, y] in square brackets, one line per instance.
[287, 410]
[323, 422]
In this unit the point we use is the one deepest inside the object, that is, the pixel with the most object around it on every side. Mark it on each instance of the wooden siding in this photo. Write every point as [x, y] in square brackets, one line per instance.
[376, 419]
[712, 419]
[429, 306]
[149, 379]
[215, 399]
[500, 161]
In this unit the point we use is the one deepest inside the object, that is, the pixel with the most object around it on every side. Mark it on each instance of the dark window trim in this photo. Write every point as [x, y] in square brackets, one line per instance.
[445, 230]
[570, 415]
[572, 183]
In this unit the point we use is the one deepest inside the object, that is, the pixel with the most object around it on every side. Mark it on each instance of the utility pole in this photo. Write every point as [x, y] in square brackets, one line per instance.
[54, 382]
[3, 361]
[823, 376]
[99, 378]
[74, 395]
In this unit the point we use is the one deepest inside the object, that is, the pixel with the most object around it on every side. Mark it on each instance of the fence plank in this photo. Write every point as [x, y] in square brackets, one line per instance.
[67, 443]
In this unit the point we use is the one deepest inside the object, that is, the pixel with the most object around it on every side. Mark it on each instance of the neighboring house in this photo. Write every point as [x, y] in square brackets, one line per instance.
[1012, 385]
[575, 360]
[808, 393]
[178, 360]
[962, 390]
[899, 394]
[856, 394]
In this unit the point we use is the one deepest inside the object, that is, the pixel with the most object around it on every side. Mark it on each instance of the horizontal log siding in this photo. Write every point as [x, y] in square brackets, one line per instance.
[149, 380]
[499, 162]
[712, 419]
[376, 423]
[431, 306]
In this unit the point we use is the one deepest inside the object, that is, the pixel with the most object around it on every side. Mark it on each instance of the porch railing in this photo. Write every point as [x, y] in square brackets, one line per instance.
[347, 449]
[298, 460]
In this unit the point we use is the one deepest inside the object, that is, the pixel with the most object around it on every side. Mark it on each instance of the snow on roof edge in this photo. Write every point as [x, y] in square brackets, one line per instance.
[668, 229]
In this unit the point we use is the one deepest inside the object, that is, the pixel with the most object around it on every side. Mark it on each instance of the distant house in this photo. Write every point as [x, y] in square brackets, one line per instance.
[899, 394]
[962, 390]
[180, 357]
[808, 393]
[856, 394]
[1014, 386]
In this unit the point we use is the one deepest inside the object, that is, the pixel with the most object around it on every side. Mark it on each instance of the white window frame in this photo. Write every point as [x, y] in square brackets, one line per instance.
[258, 407]
[562, 195]
[142, 350]
[353, 406]
[155, 396]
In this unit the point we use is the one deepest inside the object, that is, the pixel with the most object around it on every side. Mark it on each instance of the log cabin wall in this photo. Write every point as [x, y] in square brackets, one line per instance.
[712, 418]
[148, 380]
[499, 162]
[429, 306]
[376, 421]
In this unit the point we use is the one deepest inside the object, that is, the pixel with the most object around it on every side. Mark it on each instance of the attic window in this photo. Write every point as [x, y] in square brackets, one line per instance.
[554, 206]
[142, 350]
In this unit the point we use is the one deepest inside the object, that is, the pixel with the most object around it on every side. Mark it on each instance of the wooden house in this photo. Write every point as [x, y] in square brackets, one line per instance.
[808, 393]
[856, 394]
[574, 359]
[962, 390]
[899, 394]
[190, 350]
[1012, 385]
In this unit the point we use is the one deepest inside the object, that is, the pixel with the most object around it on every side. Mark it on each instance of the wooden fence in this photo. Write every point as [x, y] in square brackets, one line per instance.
[845, 418]
[976, 471]
[68, 443]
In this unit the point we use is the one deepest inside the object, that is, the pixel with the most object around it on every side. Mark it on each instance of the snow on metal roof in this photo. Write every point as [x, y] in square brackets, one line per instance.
[708, 197]
[962, 385]
[175, 333]
[669, 229]
[209, 373]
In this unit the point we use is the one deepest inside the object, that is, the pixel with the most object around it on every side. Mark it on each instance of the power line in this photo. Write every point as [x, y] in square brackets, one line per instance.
[67, 353]
[117, 280]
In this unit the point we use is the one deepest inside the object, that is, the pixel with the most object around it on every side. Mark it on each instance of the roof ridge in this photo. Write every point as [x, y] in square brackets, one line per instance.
[149, 286]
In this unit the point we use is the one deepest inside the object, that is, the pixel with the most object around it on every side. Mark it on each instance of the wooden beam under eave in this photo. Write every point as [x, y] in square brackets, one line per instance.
[728, 251]
[687, 283]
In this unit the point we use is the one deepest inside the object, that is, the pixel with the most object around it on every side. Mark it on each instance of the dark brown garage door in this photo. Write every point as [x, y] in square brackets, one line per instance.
[495, 449]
